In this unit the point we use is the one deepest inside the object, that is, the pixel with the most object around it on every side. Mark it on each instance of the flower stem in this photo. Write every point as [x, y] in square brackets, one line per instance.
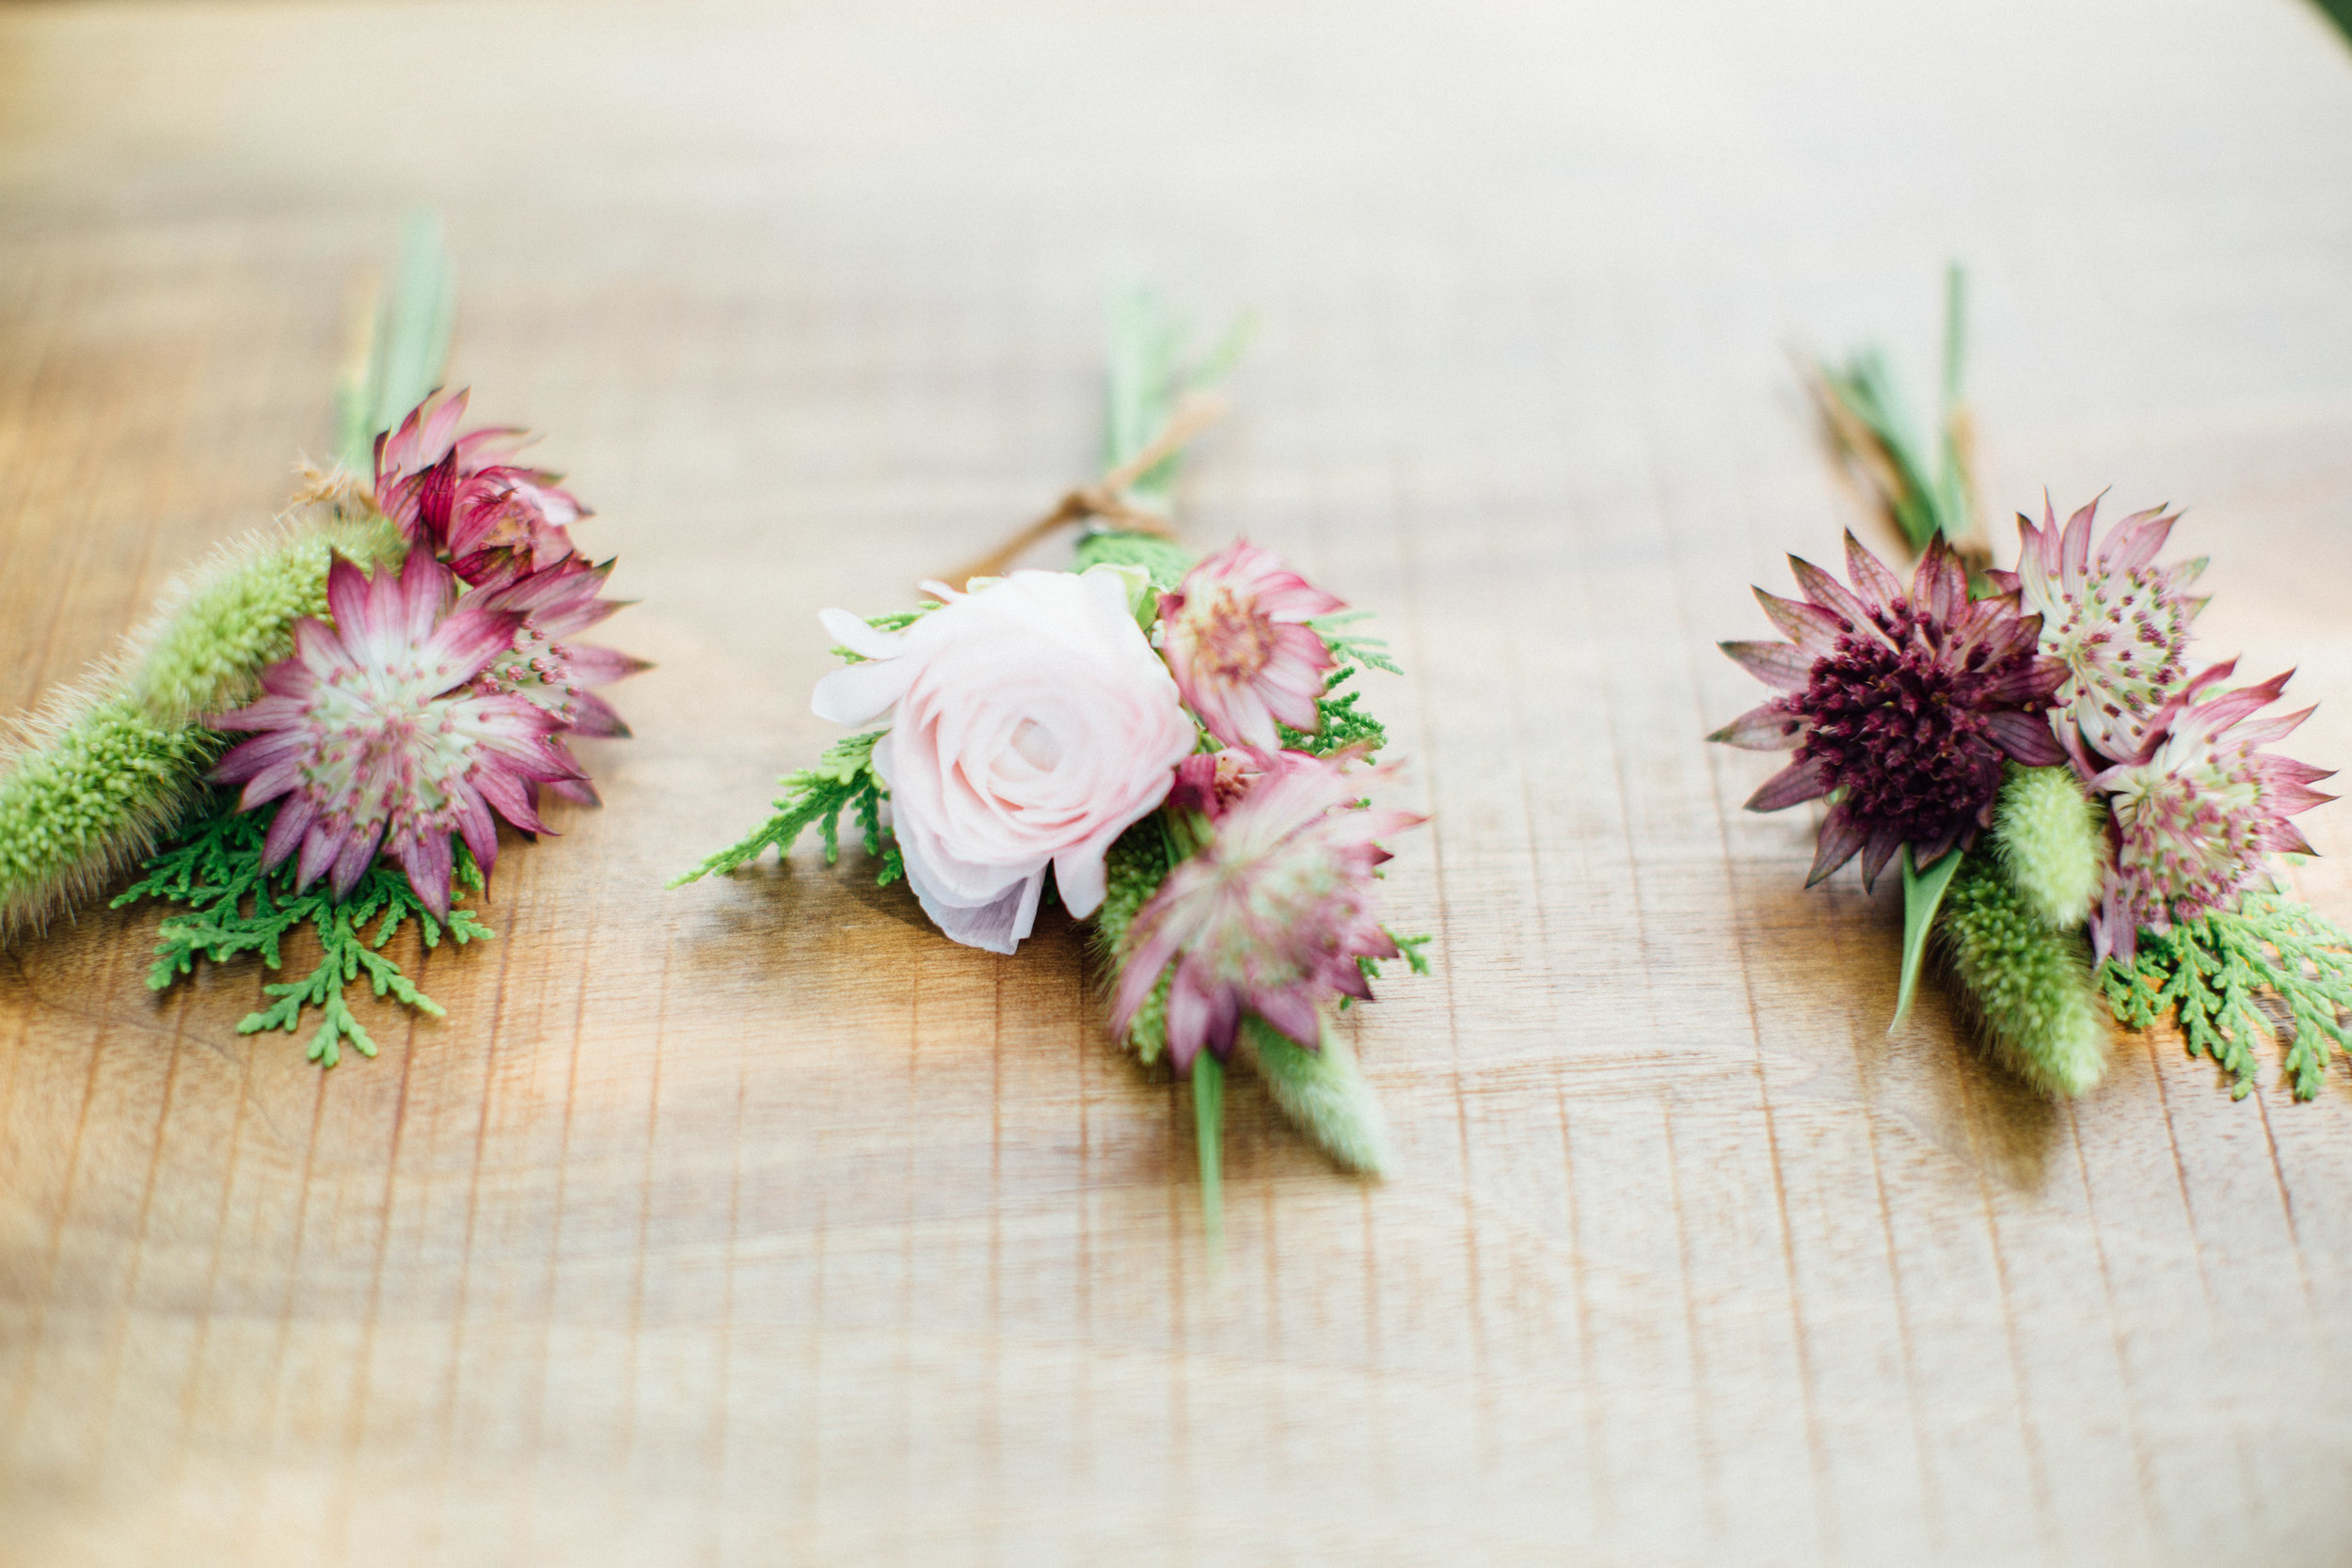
[1208, 1123]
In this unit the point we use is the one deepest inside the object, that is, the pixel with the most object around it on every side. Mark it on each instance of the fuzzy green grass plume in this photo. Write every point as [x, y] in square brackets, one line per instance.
[2047, 837]
[1324, 1092]
[102, 769]
[2027, 982]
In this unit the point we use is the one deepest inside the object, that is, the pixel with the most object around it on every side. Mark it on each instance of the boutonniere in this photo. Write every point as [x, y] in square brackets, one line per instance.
[2087, 821]
[1171, 744]
[323, 725]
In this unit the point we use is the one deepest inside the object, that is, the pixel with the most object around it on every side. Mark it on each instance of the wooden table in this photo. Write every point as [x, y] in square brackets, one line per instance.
[755, 1223]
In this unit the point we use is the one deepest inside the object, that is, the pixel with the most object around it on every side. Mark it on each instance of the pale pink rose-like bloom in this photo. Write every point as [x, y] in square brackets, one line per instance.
[1030, 725]
[1269, 916]
[1233, 636]
[373, 734]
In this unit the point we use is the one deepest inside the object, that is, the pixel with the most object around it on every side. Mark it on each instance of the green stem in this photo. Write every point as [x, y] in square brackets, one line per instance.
[1208, 1123]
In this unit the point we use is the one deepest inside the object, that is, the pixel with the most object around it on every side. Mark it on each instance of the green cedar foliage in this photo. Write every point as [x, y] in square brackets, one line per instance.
[234, 907]
[843, 780]
[2214, 973]
[1165, 560]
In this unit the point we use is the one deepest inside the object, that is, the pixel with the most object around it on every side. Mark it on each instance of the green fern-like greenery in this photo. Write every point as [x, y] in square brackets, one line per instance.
[2214, 972]
[843, 780]
[234, 907]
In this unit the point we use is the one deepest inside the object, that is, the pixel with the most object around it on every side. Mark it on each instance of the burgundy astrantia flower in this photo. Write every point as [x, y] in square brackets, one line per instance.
[2193, 813]
[1901, 707]
[1270, 915]
[374, 736]
[457, 494]
[1242, 658]
[2119, 622]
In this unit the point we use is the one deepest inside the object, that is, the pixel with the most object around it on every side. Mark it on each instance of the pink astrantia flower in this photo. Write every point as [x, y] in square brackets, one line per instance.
[1030, 725]
[1213, 782]
[545, 666]
[1233, 638]
[457, 494]
[1270, 915]
[373, 735]
[1901, 707]
[2192, 815]
[2119, 622]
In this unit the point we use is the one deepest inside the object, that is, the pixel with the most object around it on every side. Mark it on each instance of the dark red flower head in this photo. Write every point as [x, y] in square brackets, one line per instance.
[1900, 707]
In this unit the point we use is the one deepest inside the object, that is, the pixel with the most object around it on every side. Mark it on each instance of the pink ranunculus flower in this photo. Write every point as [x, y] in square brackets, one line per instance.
[1030, 725]
[1233, 637]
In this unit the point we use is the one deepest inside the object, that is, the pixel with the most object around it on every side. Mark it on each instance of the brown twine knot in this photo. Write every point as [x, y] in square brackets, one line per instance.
[1106, 498]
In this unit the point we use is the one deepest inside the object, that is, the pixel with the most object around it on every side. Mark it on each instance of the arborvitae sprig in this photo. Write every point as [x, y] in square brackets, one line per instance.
[2027, 983]
[107, 767]
[1350, 648]
[2049, 838]
[2212, 971]
[1344, 725]
[234, 907]
[1163, 559]
[843, 780]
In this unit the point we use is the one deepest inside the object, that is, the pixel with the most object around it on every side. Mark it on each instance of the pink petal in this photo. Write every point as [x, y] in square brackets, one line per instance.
[1813, 629]
[347, 599]
[1797, 782]
[1777, 664]
[426, 860]
[321, 846]
[1841, 840]
[286, 829]
[2026, 736]
[1872, 581]
[1830, 594]
[1767, 728]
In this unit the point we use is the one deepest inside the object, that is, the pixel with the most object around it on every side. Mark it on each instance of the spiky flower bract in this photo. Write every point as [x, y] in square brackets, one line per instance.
[1235, 640]
[1269, 916]
[2198, 809]
[456, 494]
[545, 666]
[2119, 622]
[2027, 983]
[1900, 706]
[2050, 840]
[102, 769]
[374, 736]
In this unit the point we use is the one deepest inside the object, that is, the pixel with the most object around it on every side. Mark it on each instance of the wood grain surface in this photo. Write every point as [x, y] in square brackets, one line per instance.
[755, 1223]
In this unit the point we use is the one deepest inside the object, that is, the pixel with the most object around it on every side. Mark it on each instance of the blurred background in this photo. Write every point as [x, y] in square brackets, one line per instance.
[745, 1224]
